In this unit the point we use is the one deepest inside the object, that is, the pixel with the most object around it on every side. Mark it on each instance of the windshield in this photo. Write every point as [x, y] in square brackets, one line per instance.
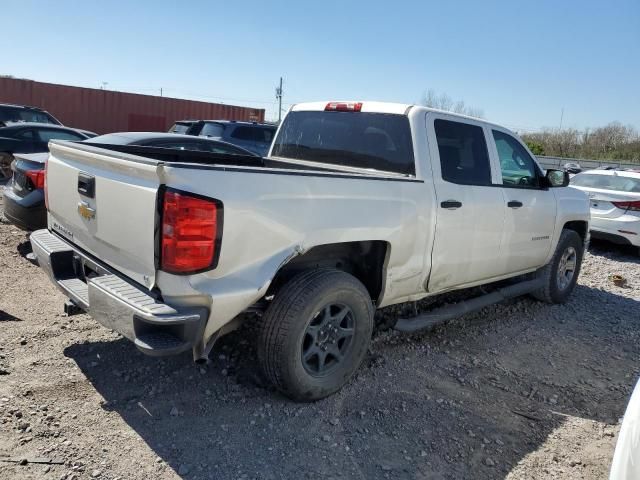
[377, 141]
[614, 182]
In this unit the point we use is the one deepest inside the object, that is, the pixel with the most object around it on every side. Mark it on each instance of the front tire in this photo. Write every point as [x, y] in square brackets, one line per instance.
[315, 333]
[560, 275]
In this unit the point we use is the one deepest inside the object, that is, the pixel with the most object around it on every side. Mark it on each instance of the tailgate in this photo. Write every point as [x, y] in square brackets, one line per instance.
[116, 221]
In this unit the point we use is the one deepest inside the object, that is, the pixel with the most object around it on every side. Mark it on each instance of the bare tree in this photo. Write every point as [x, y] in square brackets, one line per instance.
[611, 142]
[443, 101]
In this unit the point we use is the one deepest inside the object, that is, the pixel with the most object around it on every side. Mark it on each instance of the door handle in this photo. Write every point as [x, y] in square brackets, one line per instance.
[451, 204]
[514, 204]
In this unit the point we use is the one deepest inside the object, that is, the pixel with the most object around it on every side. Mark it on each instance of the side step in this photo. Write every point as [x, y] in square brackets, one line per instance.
[446, 313]
[77, 290]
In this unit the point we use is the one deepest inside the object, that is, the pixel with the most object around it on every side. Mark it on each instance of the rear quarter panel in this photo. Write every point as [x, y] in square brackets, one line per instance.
[272, 216]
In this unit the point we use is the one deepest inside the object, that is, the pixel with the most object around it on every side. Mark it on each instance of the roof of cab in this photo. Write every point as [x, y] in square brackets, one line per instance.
[386, 107]
[367, 107]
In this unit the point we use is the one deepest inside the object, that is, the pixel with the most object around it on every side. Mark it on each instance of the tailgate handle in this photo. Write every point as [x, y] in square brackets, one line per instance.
[86, 184]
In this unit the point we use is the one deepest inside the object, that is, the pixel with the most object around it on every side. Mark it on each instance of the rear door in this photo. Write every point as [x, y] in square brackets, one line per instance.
[470, 212]
[530, 209]
[105, 203]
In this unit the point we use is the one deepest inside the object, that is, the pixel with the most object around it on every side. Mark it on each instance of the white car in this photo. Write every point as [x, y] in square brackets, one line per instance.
[626, 459]
[359, 205]
[615, 204]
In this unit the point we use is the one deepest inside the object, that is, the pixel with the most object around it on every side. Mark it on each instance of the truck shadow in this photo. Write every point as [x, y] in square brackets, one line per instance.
[467, 400]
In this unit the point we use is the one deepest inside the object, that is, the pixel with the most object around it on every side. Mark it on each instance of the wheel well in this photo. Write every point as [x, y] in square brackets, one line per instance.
[577, 226]
[364, 260]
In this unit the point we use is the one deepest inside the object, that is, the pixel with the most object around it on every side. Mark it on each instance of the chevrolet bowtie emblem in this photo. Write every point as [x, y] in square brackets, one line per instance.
[86, 211]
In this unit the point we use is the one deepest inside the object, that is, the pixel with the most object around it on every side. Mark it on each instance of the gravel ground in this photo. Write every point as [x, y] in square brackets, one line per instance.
[521, 390]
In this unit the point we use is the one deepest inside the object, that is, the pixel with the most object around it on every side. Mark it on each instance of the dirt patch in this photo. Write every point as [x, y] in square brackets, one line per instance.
[520, 390]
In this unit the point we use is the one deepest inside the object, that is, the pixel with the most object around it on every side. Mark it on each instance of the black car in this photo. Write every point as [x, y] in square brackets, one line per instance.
[29, 137]
[169, 140]
[21, 113]
[24, 202]
[253, 136]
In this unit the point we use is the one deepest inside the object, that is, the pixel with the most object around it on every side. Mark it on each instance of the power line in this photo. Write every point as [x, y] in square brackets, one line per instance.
[279, 97]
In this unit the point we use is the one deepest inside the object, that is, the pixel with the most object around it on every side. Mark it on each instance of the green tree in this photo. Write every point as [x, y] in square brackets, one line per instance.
[535, 147]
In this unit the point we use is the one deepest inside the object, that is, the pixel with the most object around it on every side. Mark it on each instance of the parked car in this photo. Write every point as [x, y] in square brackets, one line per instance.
[170, 140]
[256, 137]
[24, 196]
[31, 137]
[24, 204]
[615, 204]
[358, 206]
[625, 464]
[572, 168]
[21, 113]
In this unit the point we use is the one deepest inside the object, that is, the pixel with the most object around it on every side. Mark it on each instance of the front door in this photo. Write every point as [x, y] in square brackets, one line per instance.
[470, 209]
[530, 211]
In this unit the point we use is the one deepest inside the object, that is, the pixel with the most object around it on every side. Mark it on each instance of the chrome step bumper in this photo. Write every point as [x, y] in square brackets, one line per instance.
[155, 327]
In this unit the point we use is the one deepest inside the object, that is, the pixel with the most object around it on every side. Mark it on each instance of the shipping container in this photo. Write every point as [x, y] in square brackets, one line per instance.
[106, 111]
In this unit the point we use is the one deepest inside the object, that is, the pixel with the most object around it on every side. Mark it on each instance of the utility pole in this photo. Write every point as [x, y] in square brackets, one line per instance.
[561, 116]
[279, 97]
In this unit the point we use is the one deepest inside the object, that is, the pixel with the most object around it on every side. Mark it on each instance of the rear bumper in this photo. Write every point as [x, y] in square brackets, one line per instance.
[623, 230]
[27, 213]
[117, 303]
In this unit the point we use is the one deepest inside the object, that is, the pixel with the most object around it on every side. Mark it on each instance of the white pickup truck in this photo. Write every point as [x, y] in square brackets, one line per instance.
[358, 206]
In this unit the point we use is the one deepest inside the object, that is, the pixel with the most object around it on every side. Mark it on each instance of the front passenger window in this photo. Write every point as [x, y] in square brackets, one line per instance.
[517, 166]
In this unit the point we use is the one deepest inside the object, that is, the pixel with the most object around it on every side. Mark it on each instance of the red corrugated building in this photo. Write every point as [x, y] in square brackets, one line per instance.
[106, 111]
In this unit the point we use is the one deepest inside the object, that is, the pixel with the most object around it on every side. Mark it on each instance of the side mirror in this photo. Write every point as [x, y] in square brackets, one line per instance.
[557, 178]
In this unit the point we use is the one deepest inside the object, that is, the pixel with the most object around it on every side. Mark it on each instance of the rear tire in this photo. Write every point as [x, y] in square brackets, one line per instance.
[315, 333]
[561, 273]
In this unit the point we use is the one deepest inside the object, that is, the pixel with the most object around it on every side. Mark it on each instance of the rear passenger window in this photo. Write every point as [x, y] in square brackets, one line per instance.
[264, 135]
[46, 135]
[26, 135]
[212, 130]
[463, 153]
[244, 133]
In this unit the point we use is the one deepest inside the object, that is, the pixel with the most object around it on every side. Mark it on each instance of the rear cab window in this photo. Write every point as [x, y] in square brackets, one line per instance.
[378, 141]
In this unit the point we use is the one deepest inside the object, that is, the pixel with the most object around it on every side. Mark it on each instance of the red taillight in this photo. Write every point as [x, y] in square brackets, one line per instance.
[633, 206]
[343, 107]
[191, 228]
[37, 177]
[46, 192]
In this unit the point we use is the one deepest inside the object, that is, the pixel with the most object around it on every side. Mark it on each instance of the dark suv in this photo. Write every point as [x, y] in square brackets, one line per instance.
[256, 137]
[20, 113]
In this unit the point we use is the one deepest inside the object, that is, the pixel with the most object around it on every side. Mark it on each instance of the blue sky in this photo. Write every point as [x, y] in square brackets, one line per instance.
[520, 62]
